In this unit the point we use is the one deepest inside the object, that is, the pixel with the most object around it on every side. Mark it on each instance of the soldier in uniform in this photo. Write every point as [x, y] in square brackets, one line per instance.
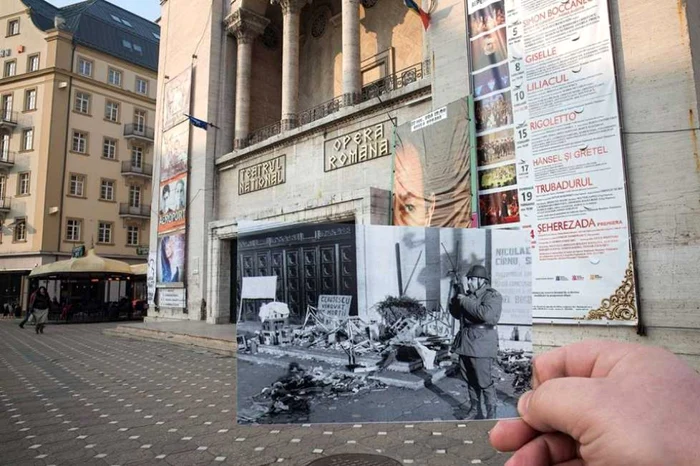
[478, 310]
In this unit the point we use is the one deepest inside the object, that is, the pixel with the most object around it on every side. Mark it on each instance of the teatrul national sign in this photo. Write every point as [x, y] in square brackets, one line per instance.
[550, 152]
[334, 309]
[262, 175]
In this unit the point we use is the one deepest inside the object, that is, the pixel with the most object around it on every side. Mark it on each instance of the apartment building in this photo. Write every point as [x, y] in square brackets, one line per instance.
[77, 104]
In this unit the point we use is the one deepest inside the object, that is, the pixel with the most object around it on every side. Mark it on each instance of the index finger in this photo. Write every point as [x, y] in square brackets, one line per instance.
[592, 358]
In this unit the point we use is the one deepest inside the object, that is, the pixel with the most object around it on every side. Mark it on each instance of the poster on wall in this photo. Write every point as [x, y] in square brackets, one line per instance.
[176, 102]
[171, 257]
[432, 183]
[423, 292]
[151, 276]
[173, 159]
[172, 205]
[549, 151]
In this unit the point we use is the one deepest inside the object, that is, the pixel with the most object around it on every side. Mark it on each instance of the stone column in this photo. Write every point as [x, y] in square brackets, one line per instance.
[352, 77]
[245, 25]
[291, 10]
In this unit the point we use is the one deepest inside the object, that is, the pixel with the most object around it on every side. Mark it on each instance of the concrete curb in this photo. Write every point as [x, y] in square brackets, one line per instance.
[211, 344]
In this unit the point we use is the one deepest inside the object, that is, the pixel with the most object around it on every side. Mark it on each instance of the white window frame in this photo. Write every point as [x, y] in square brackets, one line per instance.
[142, 83]
[82, 99]
[74, 229]
[107, 190]
[13, 31]
[140, 120]
[112, 111]
[133, 235]
[10, 68]
[24, 181]
[33, 63]
[109, 149]
[28, 139]
[85, 67]
[104, 232]
[135, 196]
[81, 139]
[77, 185]
[114, 77]
[30, 96]
[20, 233]
[137, 157]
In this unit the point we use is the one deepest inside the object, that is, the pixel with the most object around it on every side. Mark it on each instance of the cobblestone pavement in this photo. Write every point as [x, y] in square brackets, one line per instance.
[74, 396]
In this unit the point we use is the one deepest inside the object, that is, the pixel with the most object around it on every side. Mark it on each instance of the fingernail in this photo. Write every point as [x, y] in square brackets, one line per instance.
[524, 403]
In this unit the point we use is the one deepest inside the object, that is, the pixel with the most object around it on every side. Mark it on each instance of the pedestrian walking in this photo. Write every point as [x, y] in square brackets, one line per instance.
[40, 305]
[18, 311]
[6, 311]
[478, 311]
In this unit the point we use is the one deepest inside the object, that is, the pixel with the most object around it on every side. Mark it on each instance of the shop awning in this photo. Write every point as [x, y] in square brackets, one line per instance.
[90, 264]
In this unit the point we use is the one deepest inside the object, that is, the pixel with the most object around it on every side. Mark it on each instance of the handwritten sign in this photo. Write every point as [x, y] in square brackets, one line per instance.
[333, 309]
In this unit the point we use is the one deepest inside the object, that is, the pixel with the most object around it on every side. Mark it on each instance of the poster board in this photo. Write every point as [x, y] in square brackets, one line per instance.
[172, 298]
[549, 151]
[332, 310]
[259, 287]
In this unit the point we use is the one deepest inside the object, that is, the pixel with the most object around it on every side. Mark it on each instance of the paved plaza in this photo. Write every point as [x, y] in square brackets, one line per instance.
[75, 396]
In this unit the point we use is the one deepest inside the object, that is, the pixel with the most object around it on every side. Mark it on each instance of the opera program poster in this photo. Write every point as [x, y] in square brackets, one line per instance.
[172, 205]
[432, 185]
[176, 102]
[388, 359]
[171, 257]
[549, 151]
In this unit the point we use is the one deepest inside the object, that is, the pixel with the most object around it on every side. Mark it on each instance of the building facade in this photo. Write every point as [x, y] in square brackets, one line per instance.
[282, 82]
[78, 101]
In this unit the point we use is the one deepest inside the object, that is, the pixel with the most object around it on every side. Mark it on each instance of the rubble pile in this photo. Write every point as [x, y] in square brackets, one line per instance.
[519, 364]
[293, 392]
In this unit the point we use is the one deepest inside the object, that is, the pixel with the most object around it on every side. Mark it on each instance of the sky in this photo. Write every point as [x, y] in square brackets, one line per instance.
[149, 9]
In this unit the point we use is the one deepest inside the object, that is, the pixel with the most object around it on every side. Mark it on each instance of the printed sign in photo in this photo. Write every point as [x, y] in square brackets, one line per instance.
[172, 207]
[171, 257]
[432, 171]
[429, 301]
[173, 159]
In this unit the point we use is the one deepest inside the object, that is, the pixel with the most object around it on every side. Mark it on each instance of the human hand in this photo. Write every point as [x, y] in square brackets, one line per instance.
[606, 403]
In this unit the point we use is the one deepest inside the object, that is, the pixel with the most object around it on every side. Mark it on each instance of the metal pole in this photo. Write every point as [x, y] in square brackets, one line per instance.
[398, 268]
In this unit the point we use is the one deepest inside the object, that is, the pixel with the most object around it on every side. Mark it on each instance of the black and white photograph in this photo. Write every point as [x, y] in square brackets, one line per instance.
[362, 323]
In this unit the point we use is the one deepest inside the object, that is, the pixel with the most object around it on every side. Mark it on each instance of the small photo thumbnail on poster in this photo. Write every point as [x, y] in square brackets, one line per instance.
[486, 19]
[489, 49]
[499, 208]
[491, 80]
[493, 112]
[498, 177]
[495, 147]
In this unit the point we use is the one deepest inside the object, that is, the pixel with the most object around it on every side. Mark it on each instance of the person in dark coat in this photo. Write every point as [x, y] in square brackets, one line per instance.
[478, 310]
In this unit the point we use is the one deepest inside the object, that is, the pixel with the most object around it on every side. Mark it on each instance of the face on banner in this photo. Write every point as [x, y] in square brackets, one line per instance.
[173, 159]
[432, 175]
[177, 99]
[173, 203]
[171, 258]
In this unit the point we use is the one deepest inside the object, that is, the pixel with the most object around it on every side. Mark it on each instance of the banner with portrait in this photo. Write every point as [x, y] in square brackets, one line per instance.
[432, 180]
[172, 206]
[171, 257]
[174, 153]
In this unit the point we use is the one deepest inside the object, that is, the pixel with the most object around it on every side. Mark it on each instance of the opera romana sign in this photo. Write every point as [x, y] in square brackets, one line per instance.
[359, 146]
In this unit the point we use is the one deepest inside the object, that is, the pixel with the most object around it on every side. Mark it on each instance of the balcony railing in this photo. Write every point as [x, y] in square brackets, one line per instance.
[372, 90]
[141, 211]
[132, 130]
[8, 118]
[128, 168]
[265, 132]
[395, 81]
[5, 204]
[7, 159]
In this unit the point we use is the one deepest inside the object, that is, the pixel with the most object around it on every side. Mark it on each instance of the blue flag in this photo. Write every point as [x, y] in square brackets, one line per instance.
[197, 122]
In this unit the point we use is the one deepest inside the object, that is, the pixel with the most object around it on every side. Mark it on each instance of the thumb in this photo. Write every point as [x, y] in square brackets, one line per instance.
[570, 405]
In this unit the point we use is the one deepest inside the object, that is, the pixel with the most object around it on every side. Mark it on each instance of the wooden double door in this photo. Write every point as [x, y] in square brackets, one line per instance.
[309, 261]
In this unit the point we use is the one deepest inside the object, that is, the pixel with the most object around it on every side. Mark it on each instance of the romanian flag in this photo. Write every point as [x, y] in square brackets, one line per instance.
[425, 17]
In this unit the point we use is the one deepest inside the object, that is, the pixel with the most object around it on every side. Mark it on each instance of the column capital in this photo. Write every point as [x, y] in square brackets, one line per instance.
[290, 6]
[245, 25]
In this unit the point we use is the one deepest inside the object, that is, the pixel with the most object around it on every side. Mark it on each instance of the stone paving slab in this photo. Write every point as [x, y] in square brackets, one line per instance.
[82, 397]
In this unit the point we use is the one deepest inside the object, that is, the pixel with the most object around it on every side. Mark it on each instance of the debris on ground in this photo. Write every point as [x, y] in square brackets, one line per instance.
[519, 364]
[294, 392]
